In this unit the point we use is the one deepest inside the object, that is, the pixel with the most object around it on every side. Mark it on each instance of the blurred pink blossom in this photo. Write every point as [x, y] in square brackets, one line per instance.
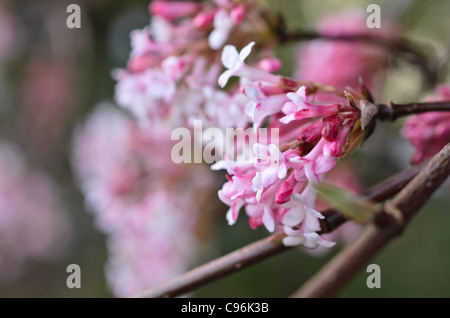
[429, 132]
[149, 207]
[33, 223]
[341, 63]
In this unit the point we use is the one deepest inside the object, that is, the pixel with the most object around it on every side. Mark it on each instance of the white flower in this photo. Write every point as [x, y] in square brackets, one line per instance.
[233, 61]
[223, 24]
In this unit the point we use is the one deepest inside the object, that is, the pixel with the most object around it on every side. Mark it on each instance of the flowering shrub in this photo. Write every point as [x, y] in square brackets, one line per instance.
[216, 63]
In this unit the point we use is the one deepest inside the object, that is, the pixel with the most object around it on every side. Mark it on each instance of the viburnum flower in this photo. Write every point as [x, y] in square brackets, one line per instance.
[341, 63]
[276, 186]
[429, 132]
[128, 179]
[176, 59]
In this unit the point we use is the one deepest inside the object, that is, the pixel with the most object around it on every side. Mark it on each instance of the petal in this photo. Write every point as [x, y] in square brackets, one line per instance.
[297, 99]
[323, 165]
[269, 176]
[260, 151]
[217, 38]
[268, 221]
[282, 170]
[254, 93]
[224, 77]
[287, 119]
[229, 217]
[246, 51]
[294, 216]
[275, 152]
[289, 108]
[230, 56]
[302, 92]
[314, 212]
[293, 240]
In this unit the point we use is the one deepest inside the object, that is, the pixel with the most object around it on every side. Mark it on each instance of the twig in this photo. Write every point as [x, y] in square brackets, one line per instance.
[392, 111]
[267, 247]
[387, 225]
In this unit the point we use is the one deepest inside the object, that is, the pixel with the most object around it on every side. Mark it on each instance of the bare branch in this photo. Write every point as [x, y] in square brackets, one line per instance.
[392, 111]
[267, 247]
[387, 225]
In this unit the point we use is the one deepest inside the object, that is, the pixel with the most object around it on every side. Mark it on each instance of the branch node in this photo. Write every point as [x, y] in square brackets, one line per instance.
[392, 210]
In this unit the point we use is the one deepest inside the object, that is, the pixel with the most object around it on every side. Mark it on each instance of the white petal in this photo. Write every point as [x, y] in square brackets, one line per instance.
[224, 77]
[293, 216]
[230, 56]
[268, 221]
[217, 38]
[230, 217]
[293, 240]
[260, 151]
[314, 212]
[246, 51]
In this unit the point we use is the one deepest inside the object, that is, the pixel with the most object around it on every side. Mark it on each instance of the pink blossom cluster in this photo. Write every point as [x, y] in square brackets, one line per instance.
[174, 63]
[33, 222]
[429, 132]
[341, 63]
[172, 79]
[148, 206]
[277, 185]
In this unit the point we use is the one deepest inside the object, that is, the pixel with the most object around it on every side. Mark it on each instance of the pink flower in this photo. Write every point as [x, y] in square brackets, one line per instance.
[341, 63]
[127, 176]
[174, 9]
[429, 132]
[271, 166]
[299, 108]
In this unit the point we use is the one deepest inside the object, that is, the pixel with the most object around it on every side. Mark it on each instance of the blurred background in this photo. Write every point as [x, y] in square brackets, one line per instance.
[52, 77]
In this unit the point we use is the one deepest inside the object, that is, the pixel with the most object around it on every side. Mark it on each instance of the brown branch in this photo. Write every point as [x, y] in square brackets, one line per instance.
[399, 47]
[267, 247]
[392, 111]
[387, 225]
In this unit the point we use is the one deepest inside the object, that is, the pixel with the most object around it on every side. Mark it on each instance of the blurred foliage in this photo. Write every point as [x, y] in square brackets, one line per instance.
[415, 265]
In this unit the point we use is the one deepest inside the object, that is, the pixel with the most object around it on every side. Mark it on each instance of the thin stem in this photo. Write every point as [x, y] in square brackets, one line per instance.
[267, 247]
[387, 225]
[392, 111]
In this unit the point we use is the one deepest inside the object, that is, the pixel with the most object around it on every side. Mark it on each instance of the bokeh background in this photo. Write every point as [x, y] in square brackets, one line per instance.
[50, 79]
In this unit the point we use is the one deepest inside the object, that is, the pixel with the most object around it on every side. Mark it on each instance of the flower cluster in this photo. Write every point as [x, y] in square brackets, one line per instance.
[429, 132]
[33, 223]
[149, 207]
[172, 79]
[174, 63]
[276, 185]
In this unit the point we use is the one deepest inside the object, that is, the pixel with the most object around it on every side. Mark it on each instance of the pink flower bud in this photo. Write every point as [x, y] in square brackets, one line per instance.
[174, 9]
[204, 19]
[332, 150]
[285, 190]
[311, 133]
[141, 63]
[269, 65]
[238, 14]
[255, 223]
[331, 128]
